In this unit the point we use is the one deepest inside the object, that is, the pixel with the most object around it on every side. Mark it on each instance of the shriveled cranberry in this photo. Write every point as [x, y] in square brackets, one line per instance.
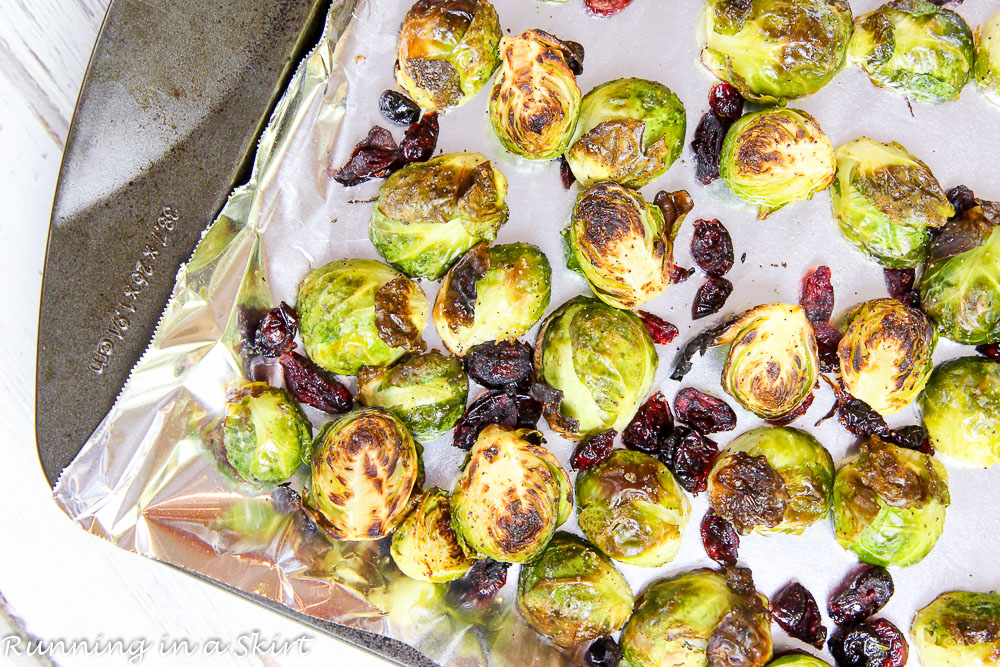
[398, 108]
[276, 332]
[720, 539]
[593, 450]
[651, 425]
[376, 156]
[860, 595]
[661, 331]
[794, 608]
[702, 412]
[707, 147]
[679, 274]
[899, 283]
[500, 364]
[913, 437]
[607, 7]
[480, 584]
[421, 139]
[827, 340]
[566, 176]
[712, 247]
[991, 351]
[501, 407]
[817, 295]
[710, 297]
[312, 385]
[893, 638]
[689, 455]
[861, 420]
[725, 102]
[961, 198]
[604, 652]
[875, 643]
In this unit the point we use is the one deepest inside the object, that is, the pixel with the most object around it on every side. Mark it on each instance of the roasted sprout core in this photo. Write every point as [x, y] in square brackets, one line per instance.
[961, 410]
[958, 629]
[425, 547]
[265, 433]
[987, 68]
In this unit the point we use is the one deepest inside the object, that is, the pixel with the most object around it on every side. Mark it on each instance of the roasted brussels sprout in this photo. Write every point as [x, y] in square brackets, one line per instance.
[961, 410]
[447, 51]
[987, 68]
[632, 508]
[889, 504]
[924, 51]
[682, 619]
[601, 359]
[426, 391]
[265, 433]
[958, 629]
[429, 213]
[885, 354]
[535, 103]
[798, 660]
[572, 593]
[887, 202]
[773, 363]
[425, 546]
[359, 312]
[621, 245]
[630, 132]
[960, 289]
[493, 293]
[511, 496]
[773, 50]
[365, 467]
[772, 480]
[776, 156]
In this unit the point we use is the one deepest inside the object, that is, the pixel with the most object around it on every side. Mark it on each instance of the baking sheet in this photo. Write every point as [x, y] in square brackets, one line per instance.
[147, 482]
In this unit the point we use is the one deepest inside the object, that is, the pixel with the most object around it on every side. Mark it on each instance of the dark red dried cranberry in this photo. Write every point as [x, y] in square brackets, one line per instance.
[794, 608]
[604, 652]
[710, 297]
[913, 437]
[679, 274]
[725, 102]
[961, 198]
[480, 584]
[593, 450]
[312, 385]
[398, 108]
[875, 643]
[651, 425]
[607, 7]
[276, 332]
[707, 147]
[501, 407]
[500, 364]
[702, 412]
[720, 539]
[421, 138]
[376, 156]
[690, 456]
[991, 351]
[898, 650]
[899, 283]
[827, 340]
[566, 176]
[817, 295]
[860, 595]
[661, 331]
[712, 247]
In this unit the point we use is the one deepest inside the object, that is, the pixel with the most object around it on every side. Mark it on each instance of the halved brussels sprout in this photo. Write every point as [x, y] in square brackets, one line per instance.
[359, 312]
[429, 213]
[447, 51]
[798, 659]
[961, 410]
[889, 504]
[365, 467]
[630, 132]
[958, 629]
[773, 363]
[632, 508]
[886, 202]
[772, 480]
[535, 103]
[572, 593]
[960, 289]
[773, 50]
[987, 67]
[493, 293]
[602, 360]
[885, 354]
[265, 433]
[921, 50]
[776, 156]
[679, 620]
[511, 496]
[426, 391]
[425, 547]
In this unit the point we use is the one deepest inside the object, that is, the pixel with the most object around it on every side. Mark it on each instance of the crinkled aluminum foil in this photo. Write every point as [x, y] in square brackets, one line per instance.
[148, 481]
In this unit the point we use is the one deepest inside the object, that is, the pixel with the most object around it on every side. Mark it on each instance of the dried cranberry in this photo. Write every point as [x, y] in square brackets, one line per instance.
[398, 108]
[651, 425]
[794, 608]
[721, 541]
[480, 584]
[679, 274]
[827, 340]
[504, 408]
[899, 283]
[702, 412]
[376, 156]
[725, 102]
[712, 247]
[595, 449]
[420, 139]
[817, 295]
[689, 455]
[604, 652]
[913, 437]
[875, 643]
[566, 176]
[276, 332]
[860, 595]
[961, 198]
[707, 147]
[661, 331]
[991, 351]
[499, 364]
[710, 297]
[607, 7]
[898, 650]
[312, 385]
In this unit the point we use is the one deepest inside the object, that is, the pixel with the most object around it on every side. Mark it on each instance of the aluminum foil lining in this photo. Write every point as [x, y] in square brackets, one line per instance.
[148, 481]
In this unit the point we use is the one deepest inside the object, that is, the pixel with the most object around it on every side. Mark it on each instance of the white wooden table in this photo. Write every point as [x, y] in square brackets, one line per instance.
[56, 581]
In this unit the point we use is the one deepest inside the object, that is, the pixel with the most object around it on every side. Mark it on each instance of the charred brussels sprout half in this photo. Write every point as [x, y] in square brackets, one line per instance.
[889, 504]
[987, 68]
[572, 593]
[772, 480]
[776, 156]
[960, 289]
[511, 496]
[365, 466]
[621, 245]
[601, 359]
[359, 312]
[429, 213]
[535, 101]
[683, 619]
[425, 547]
[887, 202]
[773, 50]
[265, 433]
[961, 410]
[632, 508]
[798, 660]
[919, 49]
[630, 132]
[447, 51]
[490, 294]
[885, 354]
[958, 629]
[773, 363]
[426, 391]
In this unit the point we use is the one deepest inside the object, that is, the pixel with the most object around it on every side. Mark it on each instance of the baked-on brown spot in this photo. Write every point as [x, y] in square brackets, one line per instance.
[749, 493]
[394, 317]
